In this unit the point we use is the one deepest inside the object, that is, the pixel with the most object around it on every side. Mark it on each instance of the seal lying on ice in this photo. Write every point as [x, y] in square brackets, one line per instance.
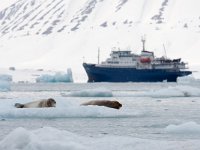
[107, 103]
[38, 104]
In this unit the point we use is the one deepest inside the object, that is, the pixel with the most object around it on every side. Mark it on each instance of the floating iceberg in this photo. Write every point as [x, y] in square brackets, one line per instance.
[58, 77]
[5, 82]
[5, 77]
[4, 86]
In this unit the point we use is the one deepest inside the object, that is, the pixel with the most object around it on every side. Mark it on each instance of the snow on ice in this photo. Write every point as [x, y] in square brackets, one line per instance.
[175, 91]
[64, 112]
[185, 128]
[169, 91]
[187, 79]
[53, 139]
[64, 109]
[98, 92]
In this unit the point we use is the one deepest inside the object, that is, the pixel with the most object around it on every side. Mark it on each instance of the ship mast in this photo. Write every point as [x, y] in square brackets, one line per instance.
[98, 55]
[143, 43]
[165, 51]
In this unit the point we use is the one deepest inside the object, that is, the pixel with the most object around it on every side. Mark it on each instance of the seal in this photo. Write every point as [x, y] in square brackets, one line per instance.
[38, 104]
[106, 103]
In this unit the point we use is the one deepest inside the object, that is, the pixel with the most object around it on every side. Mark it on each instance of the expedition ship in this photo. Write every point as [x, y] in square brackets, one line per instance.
[124, 66]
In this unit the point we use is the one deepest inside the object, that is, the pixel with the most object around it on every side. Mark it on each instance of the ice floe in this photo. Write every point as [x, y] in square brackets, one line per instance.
[63, 109]
[98, 92]
[54, 139]
[176, 91]
[187, 79]
[185, 128]
[171, 91]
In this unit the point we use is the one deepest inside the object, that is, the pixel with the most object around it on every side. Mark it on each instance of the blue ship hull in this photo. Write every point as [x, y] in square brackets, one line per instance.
[105, 74]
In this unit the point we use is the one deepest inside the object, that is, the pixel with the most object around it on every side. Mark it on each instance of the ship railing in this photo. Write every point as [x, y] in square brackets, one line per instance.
[169, 66]
[115, 66]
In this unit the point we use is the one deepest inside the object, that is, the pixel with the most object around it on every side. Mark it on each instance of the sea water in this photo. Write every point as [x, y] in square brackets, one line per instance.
[153, 116]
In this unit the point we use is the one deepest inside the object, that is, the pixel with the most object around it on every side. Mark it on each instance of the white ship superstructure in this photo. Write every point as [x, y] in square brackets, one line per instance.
[146, 60]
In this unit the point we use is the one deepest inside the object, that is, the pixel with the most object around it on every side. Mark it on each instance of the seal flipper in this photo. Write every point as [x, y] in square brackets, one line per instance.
[18, 105]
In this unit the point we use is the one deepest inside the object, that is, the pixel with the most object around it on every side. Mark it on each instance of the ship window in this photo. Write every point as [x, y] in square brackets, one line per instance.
[113, 62]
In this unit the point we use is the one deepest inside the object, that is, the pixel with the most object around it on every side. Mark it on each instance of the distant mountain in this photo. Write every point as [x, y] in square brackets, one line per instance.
[63, 33]
[32, 17]
[43, 17]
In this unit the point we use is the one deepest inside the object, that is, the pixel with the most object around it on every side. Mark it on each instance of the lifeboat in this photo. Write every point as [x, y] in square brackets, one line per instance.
[145, 60]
